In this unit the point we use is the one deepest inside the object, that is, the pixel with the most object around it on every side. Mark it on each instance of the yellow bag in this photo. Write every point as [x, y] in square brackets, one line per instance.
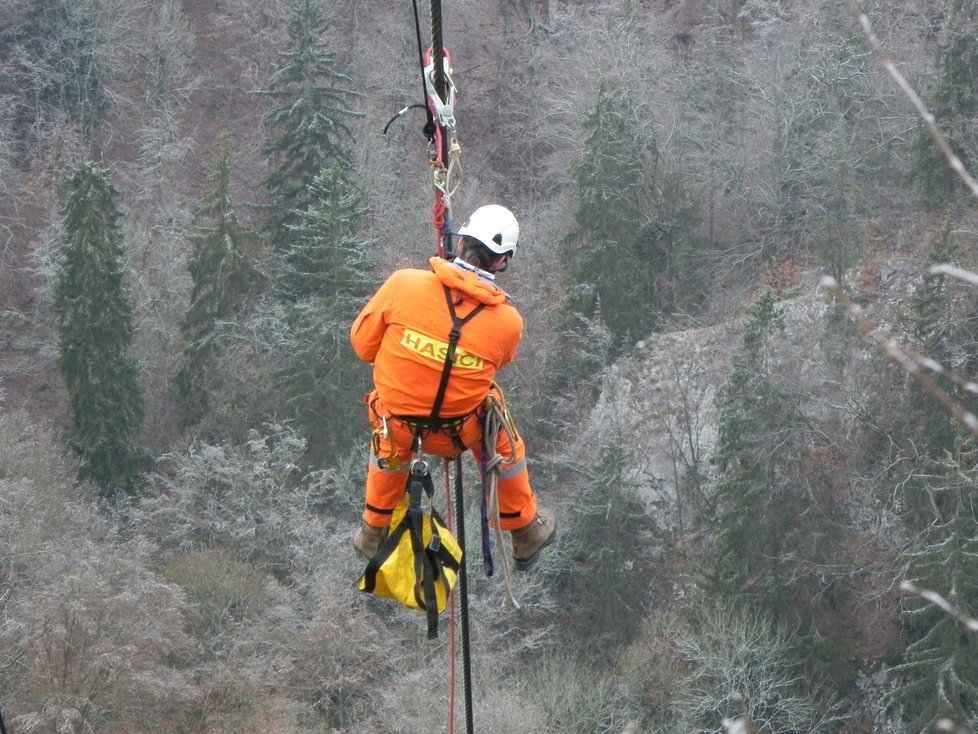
[418, 563]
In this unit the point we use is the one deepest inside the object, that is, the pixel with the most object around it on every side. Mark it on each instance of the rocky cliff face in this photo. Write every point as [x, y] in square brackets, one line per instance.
[661, 403]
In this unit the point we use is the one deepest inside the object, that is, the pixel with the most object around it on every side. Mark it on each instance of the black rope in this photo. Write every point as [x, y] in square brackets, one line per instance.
[463, 598]
[429, 128]
[401, 112]
[438, 51]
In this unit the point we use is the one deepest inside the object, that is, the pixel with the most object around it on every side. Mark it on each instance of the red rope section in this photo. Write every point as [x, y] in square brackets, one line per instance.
[438, 210]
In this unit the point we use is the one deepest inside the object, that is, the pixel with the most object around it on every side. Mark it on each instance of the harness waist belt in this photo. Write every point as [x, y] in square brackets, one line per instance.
[434, 424]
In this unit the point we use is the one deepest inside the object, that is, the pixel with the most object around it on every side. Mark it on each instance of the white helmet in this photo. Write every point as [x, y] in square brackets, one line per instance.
[494, 226]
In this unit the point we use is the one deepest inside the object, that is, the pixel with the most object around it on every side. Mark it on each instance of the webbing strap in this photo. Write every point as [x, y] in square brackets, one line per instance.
[428, 560]
[453, 337]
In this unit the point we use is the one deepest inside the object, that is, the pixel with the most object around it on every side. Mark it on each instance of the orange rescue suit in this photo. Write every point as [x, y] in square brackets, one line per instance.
[404, 331]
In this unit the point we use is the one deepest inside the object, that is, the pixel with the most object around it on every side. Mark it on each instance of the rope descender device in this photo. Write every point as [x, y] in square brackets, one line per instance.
[442, 108]
[442, 144]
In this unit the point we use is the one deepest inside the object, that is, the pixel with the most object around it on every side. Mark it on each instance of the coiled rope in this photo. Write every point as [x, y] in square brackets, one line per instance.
[497, 420]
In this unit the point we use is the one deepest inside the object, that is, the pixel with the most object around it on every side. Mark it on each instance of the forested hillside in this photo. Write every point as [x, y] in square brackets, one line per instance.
[198, 196]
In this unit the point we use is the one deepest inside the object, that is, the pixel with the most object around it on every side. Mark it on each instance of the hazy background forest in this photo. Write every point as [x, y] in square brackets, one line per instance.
[196, 198]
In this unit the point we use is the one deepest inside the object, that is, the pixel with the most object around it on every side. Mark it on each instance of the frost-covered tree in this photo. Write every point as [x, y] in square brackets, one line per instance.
[736, 658]
[766, 517]
[223, 275]
[93, 638]
[308, 123]
[937, 677]
[95, 330]
[326, 278]
[954, 102]
[58, 57]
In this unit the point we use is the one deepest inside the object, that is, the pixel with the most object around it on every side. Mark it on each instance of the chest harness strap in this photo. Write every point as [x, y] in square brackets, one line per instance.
[453, 337]
[433, 421]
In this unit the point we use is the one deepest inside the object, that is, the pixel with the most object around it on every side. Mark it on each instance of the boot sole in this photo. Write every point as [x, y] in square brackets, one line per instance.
[522, 564]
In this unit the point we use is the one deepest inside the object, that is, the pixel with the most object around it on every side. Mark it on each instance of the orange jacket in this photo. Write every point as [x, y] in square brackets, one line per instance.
[404, 329]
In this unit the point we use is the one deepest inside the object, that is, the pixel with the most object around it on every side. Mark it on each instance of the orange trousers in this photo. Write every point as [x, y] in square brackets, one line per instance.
[387, 479]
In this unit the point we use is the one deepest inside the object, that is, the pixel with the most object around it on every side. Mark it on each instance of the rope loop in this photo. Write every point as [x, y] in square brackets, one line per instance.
[495, 421]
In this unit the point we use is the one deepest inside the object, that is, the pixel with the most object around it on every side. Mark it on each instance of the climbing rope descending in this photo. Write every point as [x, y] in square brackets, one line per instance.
[444, 157]
[463, 608]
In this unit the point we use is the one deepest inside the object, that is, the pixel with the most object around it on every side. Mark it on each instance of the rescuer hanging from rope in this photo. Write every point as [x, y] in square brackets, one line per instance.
[436, 339]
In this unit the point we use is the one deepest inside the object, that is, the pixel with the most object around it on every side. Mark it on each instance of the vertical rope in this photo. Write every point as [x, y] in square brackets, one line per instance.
[440, 140]
[452, 606]
[438, 50]
[463, 597]
[429, 128]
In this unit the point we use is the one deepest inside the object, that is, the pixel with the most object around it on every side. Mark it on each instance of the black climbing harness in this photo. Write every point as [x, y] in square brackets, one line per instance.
[453, 337]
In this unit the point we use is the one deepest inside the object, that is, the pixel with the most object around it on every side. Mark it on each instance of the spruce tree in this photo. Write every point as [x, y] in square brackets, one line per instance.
[325, 279]
[945, 327]
[937, 677]
[612, 256]
[308, 124]
[954, 102]
[934, 328]
[609, 281]
[766, 517]
[634, 250]
[223, 275]
[326, 255]
[95, 330]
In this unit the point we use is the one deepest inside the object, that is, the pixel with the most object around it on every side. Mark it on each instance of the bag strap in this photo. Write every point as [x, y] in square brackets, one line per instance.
[453, 337]
[419, 483]
[430, 560]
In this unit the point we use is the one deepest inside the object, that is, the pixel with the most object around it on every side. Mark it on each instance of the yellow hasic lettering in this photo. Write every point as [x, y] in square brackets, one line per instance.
[436, 350]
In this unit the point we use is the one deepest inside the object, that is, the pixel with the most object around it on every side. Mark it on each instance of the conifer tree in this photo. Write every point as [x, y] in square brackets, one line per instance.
[223, 275]
[937, 677]
[609, 283]
[308, 124]
[636, 238]
[326, 255]
[326, 278]
[95, 330]
[765, 510]
[945, 326]
[954, 102]
[611, 252]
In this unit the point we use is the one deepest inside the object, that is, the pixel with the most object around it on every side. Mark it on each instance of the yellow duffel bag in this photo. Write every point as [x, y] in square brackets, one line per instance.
[417, 564]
